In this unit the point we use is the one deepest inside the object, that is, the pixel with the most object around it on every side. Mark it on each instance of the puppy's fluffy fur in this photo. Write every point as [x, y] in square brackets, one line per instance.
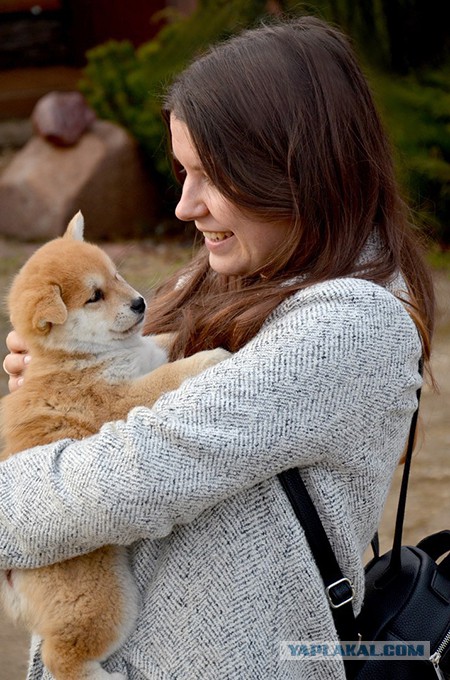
[81, 322]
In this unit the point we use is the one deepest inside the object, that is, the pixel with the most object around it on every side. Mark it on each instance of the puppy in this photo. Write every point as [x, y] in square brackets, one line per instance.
[82, 323]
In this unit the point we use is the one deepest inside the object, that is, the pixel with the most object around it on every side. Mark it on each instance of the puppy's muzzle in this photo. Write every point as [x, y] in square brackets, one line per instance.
[138, 305]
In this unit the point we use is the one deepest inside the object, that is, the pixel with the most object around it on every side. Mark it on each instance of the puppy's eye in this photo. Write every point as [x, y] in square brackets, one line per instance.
[96, 296]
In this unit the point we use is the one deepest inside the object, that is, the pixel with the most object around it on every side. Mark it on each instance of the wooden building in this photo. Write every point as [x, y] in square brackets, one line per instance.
[49, 32]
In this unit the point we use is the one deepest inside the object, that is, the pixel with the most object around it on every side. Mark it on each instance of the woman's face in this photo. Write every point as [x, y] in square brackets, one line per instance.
[237, 244]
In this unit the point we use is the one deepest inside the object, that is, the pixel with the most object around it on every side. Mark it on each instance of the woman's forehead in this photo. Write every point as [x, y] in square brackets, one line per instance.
[183, 148]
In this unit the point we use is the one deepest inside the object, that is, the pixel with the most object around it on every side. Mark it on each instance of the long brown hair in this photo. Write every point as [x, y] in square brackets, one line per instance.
[285, 126]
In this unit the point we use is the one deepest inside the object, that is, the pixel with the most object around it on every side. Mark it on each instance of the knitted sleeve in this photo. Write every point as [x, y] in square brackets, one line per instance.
[332, 363]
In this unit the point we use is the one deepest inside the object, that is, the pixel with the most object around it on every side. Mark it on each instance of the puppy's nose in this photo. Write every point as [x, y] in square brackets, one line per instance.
[138, 305]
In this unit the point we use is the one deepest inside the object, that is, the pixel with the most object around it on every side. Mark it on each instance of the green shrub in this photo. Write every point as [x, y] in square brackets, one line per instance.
[125, 85]
[416, 111]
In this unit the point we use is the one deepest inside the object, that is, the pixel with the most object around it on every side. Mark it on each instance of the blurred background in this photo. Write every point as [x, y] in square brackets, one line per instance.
[120, 55]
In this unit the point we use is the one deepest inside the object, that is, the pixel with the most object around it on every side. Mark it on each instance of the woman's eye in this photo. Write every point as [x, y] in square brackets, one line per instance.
[179, 171]
[96, 296]
[181, 175]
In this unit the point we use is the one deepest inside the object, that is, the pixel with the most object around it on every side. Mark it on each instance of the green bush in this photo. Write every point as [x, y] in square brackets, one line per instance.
[416, 111]
[125, 85]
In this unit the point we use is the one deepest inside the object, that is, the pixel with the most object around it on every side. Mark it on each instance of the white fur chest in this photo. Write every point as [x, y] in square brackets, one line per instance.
[134, 359]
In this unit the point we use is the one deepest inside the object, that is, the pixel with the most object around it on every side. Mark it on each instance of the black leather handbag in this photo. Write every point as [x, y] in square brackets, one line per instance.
[407, 593]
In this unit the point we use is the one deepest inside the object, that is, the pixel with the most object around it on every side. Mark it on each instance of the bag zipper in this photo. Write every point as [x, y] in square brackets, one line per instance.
[435, 658]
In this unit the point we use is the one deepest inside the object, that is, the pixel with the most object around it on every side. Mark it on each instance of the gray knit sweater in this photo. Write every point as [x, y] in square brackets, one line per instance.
[328, 384]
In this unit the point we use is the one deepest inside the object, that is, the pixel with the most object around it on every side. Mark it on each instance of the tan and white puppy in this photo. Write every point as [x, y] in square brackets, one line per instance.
[82, 323]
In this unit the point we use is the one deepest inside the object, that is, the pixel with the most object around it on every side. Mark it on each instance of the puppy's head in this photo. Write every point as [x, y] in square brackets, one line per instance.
[69, 296]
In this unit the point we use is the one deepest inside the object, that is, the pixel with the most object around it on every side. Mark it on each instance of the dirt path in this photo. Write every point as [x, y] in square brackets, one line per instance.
[428, 507]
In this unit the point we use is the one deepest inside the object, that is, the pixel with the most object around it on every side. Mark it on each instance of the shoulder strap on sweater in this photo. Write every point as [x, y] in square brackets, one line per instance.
[338, 588]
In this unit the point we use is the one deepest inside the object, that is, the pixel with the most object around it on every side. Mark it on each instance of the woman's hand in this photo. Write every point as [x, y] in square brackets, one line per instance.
[16, 361]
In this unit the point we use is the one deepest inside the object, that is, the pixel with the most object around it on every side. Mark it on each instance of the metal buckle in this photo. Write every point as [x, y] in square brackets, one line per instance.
[358, 642]
[333, 585]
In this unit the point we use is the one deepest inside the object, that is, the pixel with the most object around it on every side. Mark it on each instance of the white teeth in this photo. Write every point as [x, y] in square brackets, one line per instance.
[217, 235]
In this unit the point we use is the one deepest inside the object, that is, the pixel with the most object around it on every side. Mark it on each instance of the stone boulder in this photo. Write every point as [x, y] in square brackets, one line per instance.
[102, 175]
[62, 117]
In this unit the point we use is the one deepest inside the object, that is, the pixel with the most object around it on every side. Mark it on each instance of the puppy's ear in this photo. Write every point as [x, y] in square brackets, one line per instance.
[75, 228]
[49, 310]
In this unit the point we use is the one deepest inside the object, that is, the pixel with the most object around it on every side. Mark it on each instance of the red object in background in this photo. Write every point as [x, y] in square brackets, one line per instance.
[60, 31]
[9, 6]
[62, 117]
[31, 33]
[90, 23]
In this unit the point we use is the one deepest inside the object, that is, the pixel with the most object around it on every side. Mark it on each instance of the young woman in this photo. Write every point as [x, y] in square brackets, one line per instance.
[310, 275]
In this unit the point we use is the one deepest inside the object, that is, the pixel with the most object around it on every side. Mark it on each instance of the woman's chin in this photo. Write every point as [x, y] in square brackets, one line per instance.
[228, 266]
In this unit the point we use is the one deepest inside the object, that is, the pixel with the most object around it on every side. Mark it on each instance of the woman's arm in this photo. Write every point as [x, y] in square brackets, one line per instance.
[331, 366]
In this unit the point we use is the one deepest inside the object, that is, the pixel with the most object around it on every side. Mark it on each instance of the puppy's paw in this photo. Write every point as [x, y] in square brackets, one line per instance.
[210, 357]
[99, 673]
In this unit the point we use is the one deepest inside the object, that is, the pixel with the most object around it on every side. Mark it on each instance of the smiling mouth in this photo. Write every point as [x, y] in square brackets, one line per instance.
[217, 235]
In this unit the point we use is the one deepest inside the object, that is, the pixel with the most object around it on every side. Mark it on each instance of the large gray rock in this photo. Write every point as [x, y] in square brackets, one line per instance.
[102, 175]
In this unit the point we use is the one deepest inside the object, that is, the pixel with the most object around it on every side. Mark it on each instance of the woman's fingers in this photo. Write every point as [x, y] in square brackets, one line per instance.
[15, 362]
[14, 383]
[15, 343]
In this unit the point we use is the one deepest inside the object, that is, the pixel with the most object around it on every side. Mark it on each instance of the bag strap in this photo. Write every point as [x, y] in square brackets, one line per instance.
[339, 589]
[395, 560]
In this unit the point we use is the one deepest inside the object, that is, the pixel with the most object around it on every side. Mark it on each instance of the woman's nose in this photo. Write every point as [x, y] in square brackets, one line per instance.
[190, 206]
